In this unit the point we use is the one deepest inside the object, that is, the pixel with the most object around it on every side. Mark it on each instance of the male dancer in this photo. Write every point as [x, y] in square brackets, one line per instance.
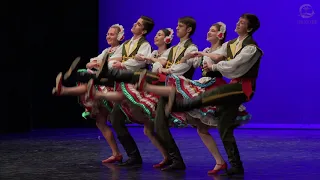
[129, 56]
[242, 66]
[179, 62]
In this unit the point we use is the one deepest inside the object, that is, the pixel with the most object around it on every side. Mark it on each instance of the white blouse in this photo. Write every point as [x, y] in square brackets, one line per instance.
[155, 54]
[101, 55]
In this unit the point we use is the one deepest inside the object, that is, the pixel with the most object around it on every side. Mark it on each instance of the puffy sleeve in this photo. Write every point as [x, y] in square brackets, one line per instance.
[223, 50]
[150, 55]
[100, 56]
[240, 65]
[206, 58]
[196, 61]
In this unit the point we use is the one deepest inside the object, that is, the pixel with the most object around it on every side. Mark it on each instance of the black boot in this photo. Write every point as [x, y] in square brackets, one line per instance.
[234, 171]
[176, 158]
[234, 159]
[226, 94]
[118, 75]
[186, 104]
[166, 139]
[131, 149]
[112, 75]
[126, 76]
[84, 77]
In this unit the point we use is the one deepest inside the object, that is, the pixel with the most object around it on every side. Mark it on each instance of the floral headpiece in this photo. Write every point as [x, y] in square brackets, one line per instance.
[168, 39]
[120, 36]
[222, 30]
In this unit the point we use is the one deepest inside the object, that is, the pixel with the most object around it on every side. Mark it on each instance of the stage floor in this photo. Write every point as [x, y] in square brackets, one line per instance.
[77, 154]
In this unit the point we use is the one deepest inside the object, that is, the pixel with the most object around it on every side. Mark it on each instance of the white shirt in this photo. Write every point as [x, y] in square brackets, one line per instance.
[237, 66]
[180, 69]
[132, 64]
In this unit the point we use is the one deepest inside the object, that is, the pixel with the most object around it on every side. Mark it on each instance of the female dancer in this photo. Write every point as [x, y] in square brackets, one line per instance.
[98, 109]
[142, 101]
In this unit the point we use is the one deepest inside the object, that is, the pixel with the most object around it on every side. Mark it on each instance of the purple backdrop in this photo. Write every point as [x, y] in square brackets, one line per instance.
[286, 92]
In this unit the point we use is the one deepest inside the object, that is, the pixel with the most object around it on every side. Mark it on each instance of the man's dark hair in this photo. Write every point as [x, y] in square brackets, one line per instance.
[190, 22]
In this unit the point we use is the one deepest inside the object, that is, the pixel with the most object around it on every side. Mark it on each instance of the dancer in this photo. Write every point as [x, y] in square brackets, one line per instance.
[140, 100]
[185, 29]
[114, 36]
[158, 58]
[242, 66]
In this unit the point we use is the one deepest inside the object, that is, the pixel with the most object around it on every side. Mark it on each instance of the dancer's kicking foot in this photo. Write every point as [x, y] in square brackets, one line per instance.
[58, 89]
[73, 66]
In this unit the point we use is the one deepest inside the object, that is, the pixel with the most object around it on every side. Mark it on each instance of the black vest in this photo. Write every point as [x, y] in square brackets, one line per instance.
[253, 72]
[189, 73]
[125, 56]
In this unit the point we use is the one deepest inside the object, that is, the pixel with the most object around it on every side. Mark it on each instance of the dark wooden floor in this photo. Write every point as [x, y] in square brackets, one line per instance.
[76, 154]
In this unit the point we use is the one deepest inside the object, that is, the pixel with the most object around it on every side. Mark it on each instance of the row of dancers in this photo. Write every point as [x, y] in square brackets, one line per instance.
[130, 83]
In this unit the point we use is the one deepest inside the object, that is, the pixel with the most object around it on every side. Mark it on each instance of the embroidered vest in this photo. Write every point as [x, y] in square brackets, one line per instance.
[172, 52]
[126, 47]
[231, 46]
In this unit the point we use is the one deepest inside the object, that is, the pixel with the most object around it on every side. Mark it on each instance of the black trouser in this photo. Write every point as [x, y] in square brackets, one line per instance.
[126, 76]
[163, 131]
[227, 98]
[84, 77]
[118, 119]
[226, 126]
